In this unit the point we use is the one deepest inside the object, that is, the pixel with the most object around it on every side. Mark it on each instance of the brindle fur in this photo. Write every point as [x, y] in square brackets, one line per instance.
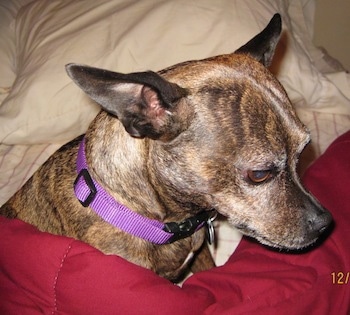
[197, 129]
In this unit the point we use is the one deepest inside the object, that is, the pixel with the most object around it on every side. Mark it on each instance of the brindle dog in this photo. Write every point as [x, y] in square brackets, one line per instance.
[218, 133]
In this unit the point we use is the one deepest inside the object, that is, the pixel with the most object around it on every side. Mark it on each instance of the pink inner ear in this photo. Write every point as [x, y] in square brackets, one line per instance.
[151, 99]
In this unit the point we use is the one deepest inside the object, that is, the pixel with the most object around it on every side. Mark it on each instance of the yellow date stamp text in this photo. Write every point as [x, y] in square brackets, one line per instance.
[340, 277]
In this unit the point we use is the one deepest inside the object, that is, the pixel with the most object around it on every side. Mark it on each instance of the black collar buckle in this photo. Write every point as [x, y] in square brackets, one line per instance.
[187, 227]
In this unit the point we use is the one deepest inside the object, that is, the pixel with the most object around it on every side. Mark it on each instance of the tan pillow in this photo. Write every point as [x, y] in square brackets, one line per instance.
[45, 106]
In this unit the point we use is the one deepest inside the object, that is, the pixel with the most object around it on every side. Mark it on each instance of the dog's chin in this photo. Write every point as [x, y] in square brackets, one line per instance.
[283, 245]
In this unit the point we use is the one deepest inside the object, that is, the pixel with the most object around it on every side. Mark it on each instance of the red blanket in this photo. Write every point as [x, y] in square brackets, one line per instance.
[43, 273]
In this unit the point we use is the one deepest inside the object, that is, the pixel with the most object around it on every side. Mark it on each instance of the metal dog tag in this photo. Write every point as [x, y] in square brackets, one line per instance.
[210, 229]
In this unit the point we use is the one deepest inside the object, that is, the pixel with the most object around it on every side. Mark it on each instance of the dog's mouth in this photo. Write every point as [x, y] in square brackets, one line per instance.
[284, 244]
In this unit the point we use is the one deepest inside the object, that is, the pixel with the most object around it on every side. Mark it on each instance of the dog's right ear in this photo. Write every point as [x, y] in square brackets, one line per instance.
[142, 101]
[262, 46]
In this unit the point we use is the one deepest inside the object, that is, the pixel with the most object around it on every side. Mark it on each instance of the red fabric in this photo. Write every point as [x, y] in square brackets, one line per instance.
[43, 273]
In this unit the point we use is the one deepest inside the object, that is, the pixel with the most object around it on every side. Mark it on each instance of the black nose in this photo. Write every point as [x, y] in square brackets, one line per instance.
[320, 222]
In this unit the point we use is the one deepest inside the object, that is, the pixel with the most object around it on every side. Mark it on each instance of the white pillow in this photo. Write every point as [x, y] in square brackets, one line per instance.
[8, 12]
[45, 106]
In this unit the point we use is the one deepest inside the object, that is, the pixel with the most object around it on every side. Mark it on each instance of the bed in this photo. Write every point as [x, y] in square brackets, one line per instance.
[41, 108]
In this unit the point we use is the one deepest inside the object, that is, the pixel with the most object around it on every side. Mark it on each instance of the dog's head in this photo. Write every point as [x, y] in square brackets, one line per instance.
[224, 136]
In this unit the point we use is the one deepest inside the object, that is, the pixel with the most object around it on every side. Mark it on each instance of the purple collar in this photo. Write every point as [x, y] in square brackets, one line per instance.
[91, 194]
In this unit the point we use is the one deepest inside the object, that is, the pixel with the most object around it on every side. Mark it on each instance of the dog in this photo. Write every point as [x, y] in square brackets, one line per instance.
[167, 151]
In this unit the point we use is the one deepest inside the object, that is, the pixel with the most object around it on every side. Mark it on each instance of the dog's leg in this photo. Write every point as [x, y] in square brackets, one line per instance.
[203, 259]
[7, 211]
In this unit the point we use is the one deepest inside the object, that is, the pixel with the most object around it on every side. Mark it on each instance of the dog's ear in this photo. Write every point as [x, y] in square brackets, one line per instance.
[262, 46]
[142, 101]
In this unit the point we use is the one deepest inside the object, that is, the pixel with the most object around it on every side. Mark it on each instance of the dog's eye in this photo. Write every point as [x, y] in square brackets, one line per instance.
[258, 177]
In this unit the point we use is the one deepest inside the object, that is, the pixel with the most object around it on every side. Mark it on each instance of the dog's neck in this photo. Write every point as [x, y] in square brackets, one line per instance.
[91, 194]
[122, 170]
[126, 171]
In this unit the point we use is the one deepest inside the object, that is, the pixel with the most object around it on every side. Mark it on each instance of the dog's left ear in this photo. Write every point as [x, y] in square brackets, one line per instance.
[143, 101]
[262, 46]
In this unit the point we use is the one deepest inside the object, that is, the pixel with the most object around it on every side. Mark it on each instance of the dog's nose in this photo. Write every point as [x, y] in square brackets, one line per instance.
[320, 222]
